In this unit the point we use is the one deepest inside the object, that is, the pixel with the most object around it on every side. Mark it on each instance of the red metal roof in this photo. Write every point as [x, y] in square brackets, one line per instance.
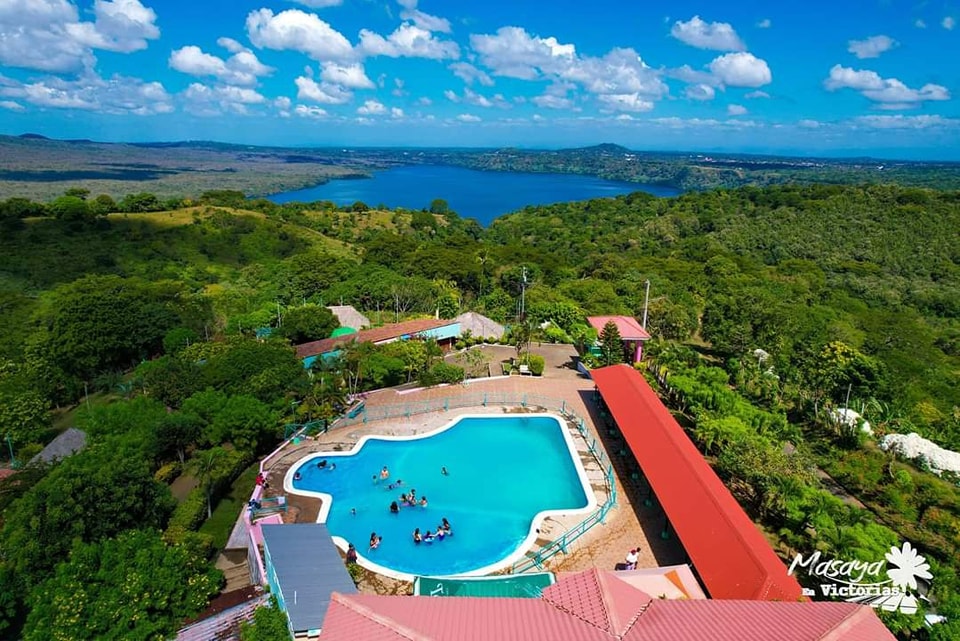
[599, 598]
[365, 617]
[375, 335]
[730, 554]
[594, 605]
[757, 621]
[629, 328]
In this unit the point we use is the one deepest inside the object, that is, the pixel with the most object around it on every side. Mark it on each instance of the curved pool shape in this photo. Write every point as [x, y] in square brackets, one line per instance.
[506, 473]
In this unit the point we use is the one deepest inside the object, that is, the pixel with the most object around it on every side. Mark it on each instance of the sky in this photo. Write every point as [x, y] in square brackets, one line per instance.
[839, 78]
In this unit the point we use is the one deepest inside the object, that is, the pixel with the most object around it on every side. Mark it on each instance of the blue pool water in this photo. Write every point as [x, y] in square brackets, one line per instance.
[503, 472]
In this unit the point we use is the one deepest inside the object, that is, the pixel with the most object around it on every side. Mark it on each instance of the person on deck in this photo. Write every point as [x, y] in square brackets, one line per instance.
[351, 554]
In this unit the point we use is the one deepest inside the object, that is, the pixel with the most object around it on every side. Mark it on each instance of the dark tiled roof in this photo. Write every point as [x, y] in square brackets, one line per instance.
[70, 441]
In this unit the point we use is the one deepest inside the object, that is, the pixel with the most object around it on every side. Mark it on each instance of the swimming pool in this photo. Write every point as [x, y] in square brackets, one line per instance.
[506, 473]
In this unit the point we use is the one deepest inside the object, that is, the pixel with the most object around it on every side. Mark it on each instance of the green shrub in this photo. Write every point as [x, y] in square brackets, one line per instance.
[460, 344]
[442, 373]
[168, 472]
[536, 364]
[356, 572]
[190, 513]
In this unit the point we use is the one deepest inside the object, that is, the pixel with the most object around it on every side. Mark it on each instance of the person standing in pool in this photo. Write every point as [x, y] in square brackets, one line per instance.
[375, 540]
[384, 473]
[423, 502]
[445, 524]
[416, 536]
[394, 508]
[444, 472]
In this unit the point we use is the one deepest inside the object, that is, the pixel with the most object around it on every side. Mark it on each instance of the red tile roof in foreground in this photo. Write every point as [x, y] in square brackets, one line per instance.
[731, 556]
[629, 328]
[375, 335]
[594, 605]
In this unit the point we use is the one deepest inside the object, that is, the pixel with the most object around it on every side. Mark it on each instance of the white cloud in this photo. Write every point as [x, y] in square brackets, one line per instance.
[719, 36]
[424, 101]
[620, 71]
[120, 25]
[919, 23]
[319, 4]
[116, 95]
[753, 95]
[764, 24]
[468, 73]
[350, 76]
[700, 92]
[298, 31]
[514, 53]
[409, 41]
[11, 105]
[371, 108]
[451, 95]
[548, 101]
[421, 19]
[625, 102]
[310, 112]
[736, 110]
[242, 68]
[872, 47]
[906, 122]
[324, 93]
[891, 91]
[806, 123]
[209, 101]
[948, 23]
[396, 112]
[47, 35]
[741, 70]
[468, 118]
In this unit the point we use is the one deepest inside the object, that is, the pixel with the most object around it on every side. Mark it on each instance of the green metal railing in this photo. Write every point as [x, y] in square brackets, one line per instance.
[559, 545]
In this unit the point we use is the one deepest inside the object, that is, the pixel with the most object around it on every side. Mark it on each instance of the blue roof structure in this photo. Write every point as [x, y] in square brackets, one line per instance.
[304, 568]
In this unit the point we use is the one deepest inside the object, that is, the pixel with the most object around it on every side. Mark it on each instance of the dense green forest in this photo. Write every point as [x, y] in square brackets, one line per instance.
[770, 308]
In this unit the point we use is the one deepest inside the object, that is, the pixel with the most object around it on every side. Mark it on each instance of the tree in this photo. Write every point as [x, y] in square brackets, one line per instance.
[308, 323]
[205, 466]
[106, 323]
[175, 433]
[87, 497]
[611, 345]
[244, 421]
[133, 587]
[169, 379]
[70, 209]
[269, 624]
[24, 411]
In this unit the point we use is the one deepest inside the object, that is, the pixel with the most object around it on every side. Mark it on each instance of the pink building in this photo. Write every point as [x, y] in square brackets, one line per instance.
[632, 334]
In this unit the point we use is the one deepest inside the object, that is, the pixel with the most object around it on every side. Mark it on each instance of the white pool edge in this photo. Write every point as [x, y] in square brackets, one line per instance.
[519, 553]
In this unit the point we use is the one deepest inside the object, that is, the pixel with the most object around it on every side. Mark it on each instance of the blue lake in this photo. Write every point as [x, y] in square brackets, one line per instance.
[483, 195]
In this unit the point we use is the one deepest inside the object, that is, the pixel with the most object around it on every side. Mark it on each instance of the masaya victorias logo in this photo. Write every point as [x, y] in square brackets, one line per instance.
[892, 585]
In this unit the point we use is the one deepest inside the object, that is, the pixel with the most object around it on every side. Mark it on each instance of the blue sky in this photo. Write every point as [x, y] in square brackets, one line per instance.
[848, 77]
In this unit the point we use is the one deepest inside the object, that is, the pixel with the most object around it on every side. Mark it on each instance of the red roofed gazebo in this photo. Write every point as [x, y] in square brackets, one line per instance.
[730, 554]
[631, 332]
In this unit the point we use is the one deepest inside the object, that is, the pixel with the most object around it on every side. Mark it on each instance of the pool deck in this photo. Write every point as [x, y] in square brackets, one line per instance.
[631, 524]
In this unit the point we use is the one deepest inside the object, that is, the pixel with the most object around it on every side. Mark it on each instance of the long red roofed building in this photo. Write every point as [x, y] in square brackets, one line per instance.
[729, 553]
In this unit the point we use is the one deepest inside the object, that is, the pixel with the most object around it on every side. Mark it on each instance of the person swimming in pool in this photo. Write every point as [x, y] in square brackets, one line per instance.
[423, 501]
[416, 536]
[444, 472]
[446, 526]
[322, 464]
[429, 536]
[394, 508]
[296, 476]
[440, 534]
[375, 540]
[384, 473]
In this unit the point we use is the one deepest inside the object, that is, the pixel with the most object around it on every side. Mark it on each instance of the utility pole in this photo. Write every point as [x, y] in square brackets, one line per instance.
[646, 303]
[523, 295]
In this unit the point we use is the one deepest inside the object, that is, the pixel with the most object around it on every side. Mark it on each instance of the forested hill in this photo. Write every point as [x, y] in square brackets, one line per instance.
[769, 308]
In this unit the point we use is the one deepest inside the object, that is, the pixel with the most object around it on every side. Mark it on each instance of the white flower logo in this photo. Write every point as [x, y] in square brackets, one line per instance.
[907, 567]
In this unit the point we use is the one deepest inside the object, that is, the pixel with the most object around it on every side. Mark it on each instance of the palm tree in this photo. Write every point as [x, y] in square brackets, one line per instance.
[202, 466]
